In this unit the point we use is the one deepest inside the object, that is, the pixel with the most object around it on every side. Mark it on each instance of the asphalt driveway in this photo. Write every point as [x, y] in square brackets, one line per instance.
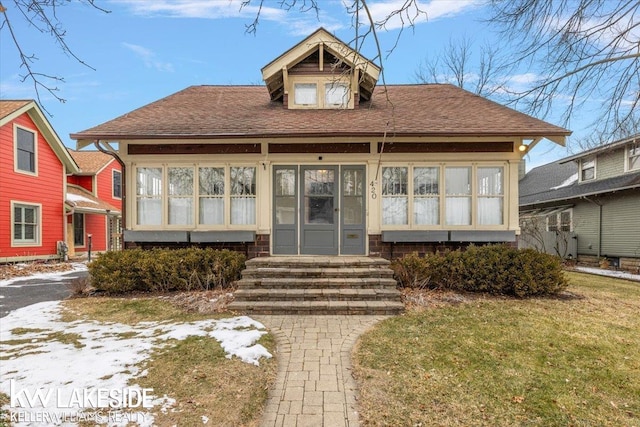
[22, 293]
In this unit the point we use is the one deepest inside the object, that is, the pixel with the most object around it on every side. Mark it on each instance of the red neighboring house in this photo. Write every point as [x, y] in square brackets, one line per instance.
[34, 164]
[94, 195]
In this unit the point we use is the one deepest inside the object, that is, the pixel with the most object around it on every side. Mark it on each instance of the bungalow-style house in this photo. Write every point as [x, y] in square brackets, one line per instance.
[591, 198]
[34, 164]
[94, 195]
[321, 160]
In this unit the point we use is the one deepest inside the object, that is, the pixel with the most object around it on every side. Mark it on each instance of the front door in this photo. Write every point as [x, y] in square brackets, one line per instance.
[319, 210]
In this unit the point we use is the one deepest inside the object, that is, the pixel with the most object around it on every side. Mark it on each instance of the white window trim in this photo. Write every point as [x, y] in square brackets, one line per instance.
[38, 239]
[442, 197]
[15, 150]
[113, 194]
[320, 82]
[227, 225]
[595, 168]
[627, 157]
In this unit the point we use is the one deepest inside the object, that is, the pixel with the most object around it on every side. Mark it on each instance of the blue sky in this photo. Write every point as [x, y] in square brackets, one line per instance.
[144, 50]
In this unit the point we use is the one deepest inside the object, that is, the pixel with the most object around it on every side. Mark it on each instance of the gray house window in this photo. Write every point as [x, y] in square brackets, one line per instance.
[587, 169]
[634, 155]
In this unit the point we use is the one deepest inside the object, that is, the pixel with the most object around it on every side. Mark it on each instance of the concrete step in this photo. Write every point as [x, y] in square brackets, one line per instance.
[317, 295]
[297, 272]
[317, 283]
[317, 307]
[316, 262]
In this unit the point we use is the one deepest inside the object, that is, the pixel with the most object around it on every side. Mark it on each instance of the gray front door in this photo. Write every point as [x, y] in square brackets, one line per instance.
[352, 210]
[319, 210]
[285, 213]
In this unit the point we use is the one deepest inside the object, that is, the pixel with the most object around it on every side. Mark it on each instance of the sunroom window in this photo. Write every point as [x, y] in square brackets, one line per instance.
[211, 193]
[490, 196]
[180, 196]
[395, 203]
[149, 196]
[426, 196]
[243, 195]
[458, 195]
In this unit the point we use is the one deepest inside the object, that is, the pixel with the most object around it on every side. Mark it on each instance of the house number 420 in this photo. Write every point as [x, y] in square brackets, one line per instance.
[373, 190]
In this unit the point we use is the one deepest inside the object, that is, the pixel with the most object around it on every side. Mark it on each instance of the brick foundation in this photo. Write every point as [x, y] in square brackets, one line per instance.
[259, 248]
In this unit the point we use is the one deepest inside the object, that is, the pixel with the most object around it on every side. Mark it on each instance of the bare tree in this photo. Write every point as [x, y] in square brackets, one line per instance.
[42, 16]
[456, 64]
[581, 50]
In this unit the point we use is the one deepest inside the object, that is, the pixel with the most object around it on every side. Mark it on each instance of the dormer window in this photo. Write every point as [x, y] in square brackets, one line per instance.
[336, 95]
[305, 94]
[633, 153]
[587, 169]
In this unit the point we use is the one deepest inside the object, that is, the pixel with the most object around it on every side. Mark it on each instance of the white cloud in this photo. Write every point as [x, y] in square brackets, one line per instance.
[149, 57]
[201, 9]
[418, 12]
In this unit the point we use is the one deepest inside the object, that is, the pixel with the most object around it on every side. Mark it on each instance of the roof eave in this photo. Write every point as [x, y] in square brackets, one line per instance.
[579, 196]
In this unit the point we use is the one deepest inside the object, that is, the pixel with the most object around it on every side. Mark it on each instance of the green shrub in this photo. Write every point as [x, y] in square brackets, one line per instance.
[494, 269]
[163, 270]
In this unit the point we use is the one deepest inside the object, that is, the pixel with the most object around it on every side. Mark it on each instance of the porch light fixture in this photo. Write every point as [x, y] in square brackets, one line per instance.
[522, 147]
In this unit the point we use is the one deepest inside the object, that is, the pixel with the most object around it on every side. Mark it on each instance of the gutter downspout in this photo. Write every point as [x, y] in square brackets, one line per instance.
[599, 223]
[123, 183]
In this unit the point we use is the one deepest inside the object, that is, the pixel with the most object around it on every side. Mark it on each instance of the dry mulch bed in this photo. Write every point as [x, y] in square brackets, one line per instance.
[10, 271]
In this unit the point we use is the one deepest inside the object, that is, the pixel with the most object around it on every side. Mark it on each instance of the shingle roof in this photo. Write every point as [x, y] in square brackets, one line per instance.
[558, 181]
[9, 106]
[90, 162]
[83, 201]
[246, 111]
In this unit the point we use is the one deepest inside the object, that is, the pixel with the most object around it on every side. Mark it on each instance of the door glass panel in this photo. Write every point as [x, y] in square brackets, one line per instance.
[352, 196]
[318, 196]
[285, 196]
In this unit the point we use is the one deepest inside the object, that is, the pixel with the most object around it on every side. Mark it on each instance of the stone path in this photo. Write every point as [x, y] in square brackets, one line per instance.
[314, 386]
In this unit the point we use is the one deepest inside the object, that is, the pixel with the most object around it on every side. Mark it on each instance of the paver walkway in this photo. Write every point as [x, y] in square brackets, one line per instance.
[314, 386]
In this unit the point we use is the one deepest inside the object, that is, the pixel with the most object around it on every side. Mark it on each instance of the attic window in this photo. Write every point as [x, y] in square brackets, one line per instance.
[306, 94]
[634, 155]
[587, 169]
[336, 95]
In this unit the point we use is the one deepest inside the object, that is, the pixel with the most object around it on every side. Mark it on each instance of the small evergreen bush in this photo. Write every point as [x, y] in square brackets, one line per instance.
[163, 270]
[494, 269]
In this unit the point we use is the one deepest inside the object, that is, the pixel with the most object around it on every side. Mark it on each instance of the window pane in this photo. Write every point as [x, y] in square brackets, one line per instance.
[211, 210]
[352, 182]
[211, 181]
[458, 181]
[394, 181]
[285, 182]
[426, 210]
[26, 150]
[180, 181]
[26, 140]
[149, 182]
[29, 232]
[149, 211]
[426, 181]
[26, 161]
[336, 94]
[394, 210]
[180, 211]
[17, 214]
[490, 181]
[243, 181]
[17, 231]
[305, 94]
[243, 210]
[29, 215]
[490, 210]
[458, 210]
[352, 210]
[117, 184]
[78, 229]
[565, 221]
[285, 210]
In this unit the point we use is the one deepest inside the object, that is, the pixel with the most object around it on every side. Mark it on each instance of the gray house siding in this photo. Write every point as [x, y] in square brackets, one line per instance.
[621, 225]
[610, 164]
[585, 225]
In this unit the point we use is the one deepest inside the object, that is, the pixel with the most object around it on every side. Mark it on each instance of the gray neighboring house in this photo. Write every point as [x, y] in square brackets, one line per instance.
[586, 206]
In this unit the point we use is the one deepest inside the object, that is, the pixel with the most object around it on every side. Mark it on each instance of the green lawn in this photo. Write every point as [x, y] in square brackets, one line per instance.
[505, 362]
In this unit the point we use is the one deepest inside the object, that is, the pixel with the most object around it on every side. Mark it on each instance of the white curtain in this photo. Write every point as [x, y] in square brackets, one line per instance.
[149, 211]
[490, 210]
[180, 211]
[426, 210]
[458, 210]
[394, 210]
[243, 210]
[335, 94]
[211, 210]
[306, 94]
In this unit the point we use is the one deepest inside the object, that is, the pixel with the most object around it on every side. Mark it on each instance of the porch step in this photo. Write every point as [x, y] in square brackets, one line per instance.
[317, 285]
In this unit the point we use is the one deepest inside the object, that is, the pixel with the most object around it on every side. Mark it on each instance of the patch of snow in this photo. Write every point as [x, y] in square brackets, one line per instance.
[567, 182]
[205, 419]
[78, 198]
[57, 276]
[101, 355]
[610, 273]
